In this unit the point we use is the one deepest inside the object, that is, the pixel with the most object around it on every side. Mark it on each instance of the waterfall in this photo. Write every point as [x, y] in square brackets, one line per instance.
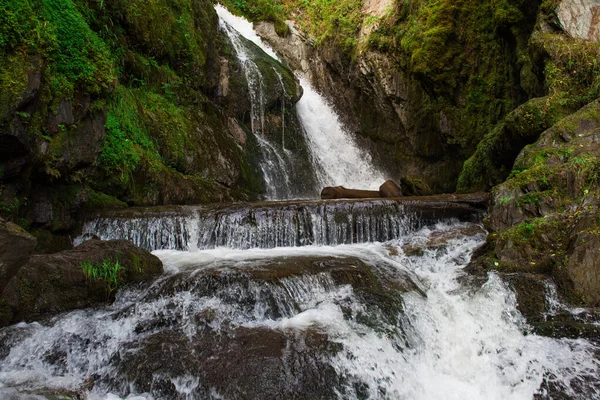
[336, 158]
[270, 225]
[339, 161]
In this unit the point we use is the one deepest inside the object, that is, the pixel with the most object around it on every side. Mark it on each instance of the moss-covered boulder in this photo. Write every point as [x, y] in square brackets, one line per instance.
[85, 276]
[544, 218]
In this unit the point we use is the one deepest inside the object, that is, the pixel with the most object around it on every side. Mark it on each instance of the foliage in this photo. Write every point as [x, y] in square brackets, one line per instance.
[106, 271]
[572, 69]
[55, 28]
[142, 124]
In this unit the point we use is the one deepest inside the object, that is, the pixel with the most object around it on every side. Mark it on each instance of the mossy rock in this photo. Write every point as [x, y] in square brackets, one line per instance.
[54, 283]
[414, 187]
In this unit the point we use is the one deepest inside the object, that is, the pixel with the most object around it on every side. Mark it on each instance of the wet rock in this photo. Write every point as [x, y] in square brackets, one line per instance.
[439, 240]
[53, 283]
[568, 325]
[246, 363]
[16, 246]
[390, 189]
[530, 291]
[414, 187]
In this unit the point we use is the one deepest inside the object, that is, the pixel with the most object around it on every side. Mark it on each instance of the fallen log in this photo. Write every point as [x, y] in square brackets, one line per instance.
[340, 192]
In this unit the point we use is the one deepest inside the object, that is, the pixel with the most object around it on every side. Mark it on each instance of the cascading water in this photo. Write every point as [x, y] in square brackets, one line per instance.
[336, 158]
[360, 321]
[264, 225]
[339, 162]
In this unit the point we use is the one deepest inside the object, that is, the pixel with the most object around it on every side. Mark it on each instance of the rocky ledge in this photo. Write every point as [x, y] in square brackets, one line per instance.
[85, 276]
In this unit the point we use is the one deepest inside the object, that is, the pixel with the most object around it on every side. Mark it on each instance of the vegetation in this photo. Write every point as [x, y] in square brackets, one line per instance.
[107, 271]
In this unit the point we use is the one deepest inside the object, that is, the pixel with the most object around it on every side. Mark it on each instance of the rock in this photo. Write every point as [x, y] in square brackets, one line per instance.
[53, 283]
[247, 363]
[414, 187]
[580, 18]
[529, 289]
[583, 267]
[544, 218]
[340, 192]
[16, 245]
[390, 189]
[439, 240]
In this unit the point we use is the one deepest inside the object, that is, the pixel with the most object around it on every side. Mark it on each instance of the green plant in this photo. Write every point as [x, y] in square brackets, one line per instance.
[107, 271]
[505, 199]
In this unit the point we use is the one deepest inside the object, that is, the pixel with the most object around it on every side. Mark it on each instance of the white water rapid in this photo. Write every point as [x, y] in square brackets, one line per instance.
[362, 321]
[336, 158]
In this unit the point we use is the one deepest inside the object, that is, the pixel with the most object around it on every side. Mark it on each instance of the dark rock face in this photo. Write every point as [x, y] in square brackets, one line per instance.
[414, 187]
[53, 283]
[263, 357]
[583, 267]
[16, 245]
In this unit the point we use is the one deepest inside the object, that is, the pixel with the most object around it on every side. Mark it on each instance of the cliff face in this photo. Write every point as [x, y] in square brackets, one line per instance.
[145, 103]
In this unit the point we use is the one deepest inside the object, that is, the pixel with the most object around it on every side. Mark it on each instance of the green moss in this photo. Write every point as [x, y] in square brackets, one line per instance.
[13, 81]
[101, 200]
[525, 231]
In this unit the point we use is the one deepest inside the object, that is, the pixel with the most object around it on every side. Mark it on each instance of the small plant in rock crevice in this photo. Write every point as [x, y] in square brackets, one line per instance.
[106, 270]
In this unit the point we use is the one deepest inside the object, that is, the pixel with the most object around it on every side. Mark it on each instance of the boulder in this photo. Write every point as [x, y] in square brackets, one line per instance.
[579, 18]
[414, 187]
[16, 245]
[390, 189]
[583, 266]
[53, 283]
[340, 192]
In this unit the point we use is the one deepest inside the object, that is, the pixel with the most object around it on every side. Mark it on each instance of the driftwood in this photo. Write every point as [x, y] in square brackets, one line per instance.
[340, 192]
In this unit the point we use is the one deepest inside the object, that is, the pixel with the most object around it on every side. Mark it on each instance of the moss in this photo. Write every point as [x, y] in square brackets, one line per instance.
[101, 200]
[526, 231]
[493, 160]
[13, 81]
[414, 187]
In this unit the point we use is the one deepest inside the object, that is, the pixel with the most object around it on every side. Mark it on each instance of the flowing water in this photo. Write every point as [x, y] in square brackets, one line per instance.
[372, 320]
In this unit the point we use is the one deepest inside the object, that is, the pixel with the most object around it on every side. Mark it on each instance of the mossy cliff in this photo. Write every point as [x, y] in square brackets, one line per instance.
[545, 217]
[124, 102]
[423, 82]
